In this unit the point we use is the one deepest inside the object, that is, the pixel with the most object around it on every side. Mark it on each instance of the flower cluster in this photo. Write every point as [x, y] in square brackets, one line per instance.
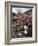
[24, 21]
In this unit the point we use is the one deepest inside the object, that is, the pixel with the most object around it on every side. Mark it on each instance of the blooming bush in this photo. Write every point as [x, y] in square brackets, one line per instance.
[22, 21]
[24, 24]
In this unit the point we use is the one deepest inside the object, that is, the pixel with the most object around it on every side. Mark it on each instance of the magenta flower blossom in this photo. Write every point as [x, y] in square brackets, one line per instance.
[27, 21]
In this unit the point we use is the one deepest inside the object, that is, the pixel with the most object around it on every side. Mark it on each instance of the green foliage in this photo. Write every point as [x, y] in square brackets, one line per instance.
[19, 27]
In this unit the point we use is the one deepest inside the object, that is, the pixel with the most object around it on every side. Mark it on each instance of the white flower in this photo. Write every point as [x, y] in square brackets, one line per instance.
[25, 27]
[19, 34]
[25, 32]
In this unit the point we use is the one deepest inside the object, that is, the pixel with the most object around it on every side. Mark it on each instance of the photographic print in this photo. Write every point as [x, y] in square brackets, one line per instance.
[20, 22]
